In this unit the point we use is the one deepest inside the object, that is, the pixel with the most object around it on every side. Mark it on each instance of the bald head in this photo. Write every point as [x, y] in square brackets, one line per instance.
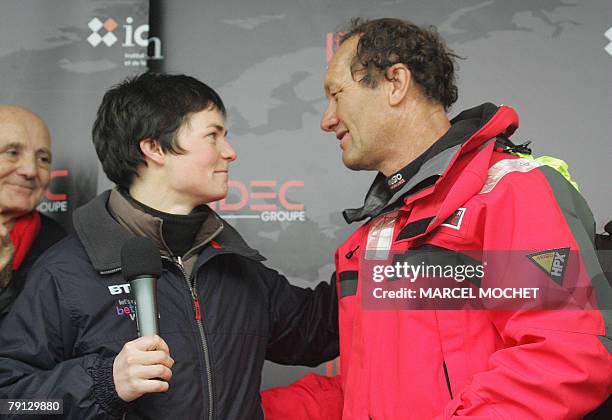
[23, 119]
[25, 159]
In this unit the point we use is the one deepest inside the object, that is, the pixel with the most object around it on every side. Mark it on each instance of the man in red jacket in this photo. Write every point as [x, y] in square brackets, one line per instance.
[451, 194]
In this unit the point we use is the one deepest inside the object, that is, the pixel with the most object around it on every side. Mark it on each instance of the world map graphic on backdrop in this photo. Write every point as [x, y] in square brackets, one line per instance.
[275, 100]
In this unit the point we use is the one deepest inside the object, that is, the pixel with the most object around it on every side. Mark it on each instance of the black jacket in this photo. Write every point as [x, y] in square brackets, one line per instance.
[67, 326]
[50, 232]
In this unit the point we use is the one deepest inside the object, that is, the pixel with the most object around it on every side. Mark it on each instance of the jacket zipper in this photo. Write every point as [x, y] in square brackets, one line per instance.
[349, 254]
[450, 391]
[198, 317]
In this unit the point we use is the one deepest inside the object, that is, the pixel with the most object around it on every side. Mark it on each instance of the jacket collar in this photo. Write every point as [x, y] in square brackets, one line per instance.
[130, 214]
[470, 129]
[102, 236]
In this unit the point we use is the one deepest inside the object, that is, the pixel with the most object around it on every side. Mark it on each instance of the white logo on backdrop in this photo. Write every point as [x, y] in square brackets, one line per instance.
[608, 35]
[132, 35]
[96, 25]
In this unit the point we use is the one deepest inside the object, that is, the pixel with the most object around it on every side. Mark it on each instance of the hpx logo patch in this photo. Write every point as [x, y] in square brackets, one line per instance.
[553, 262]
[395, 181]
[454, 222]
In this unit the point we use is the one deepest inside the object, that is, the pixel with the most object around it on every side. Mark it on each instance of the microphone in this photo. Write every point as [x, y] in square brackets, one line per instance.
[141, 266]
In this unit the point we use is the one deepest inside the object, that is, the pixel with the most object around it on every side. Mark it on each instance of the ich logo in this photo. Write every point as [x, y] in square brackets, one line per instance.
[96, 25]
[133, 36]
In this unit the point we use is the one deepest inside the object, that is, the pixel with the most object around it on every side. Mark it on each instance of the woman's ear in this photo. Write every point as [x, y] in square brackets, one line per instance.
[152, 150]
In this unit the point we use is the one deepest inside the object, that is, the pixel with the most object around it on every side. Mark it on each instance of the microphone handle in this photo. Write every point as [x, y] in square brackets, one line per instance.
[144, 290]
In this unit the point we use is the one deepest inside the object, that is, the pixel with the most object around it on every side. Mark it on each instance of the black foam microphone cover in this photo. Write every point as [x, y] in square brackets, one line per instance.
[141, 265]
[140, 256]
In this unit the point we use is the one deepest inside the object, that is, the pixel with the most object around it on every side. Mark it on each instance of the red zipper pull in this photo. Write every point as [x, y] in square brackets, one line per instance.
[196, 304]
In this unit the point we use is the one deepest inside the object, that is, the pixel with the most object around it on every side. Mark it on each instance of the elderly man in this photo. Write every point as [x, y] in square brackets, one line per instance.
[73, 336]
[25, 161]
[447, 190]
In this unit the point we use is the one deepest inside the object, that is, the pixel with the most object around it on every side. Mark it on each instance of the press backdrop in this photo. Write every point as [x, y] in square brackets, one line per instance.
[551, 60]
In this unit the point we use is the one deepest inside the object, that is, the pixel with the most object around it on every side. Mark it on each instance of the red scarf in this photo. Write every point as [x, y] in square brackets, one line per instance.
[23, 234]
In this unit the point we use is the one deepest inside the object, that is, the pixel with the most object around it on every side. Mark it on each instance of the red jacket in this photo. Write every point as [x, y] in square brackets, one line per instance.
[468, 194]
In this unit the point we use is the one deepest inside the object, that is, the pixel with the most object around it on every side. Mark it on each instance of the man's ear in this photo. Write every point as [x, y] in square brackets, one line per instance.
[399, 78]
[152, 150]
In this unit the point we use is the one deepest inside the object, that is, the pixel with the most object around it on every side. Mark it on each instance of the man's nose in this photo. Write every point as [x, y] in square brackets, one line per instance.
[329, 119]
[27, 166]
